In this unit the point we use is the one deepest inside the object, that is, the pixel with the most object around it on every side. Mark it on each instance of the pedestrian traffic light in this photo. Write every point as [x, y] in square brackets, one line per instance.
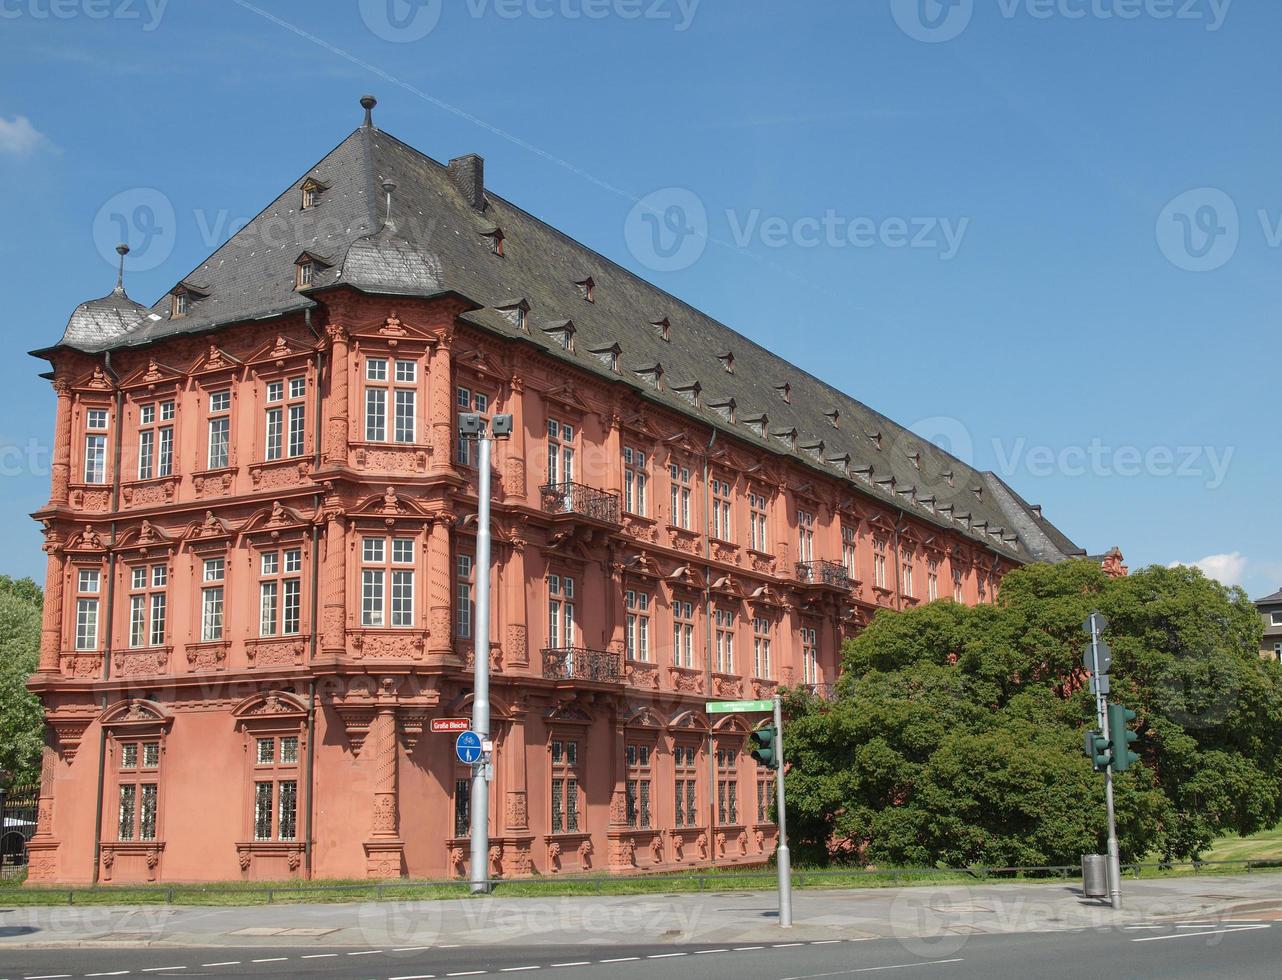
[1098, 750]
[1118, 719]
[764, 746]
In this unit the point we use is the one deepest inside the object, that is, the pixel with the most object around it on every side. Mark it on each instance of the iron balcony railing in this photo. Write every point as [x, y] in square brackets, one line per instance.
[581, 664]
[824, 573]
[581, 500]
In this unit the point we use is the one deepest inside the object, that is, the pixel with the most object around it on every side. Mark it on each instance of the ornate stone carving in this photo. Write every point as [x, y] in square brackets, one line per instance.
[623, 852]
[387, 646]
[91, 500]
[760, 836]
[742, 841]
[517, 647]
[644, 676]
[213, 484]
[585, 854]
[275, 653]
[522, 860]
[457, 859]
[727, 687]
[656, 849]
[518, 813]
[686, 681]
[514, 476]
[271, 477]
[392, 460]
[496, 860]
[618, 809]
[141, 663]
[151, 493]
[701, 845]
[678, 847]
[721, 845]
[207, 656]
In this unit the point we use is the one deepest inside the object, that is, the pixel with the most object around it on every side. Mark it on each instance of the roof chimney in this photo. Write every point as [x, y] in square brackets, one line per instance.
[367, 103]
[468, 174]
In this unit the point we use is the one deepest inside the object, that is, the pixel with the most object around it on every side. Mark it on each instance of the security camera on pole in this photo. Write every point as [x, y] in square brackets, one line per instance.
[472, 426]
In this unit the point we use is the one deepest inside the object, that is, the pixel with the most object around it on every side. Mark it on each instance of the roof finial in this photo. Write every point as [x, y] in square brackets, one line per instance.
[388, 187]
[367, 103]
[122, 250]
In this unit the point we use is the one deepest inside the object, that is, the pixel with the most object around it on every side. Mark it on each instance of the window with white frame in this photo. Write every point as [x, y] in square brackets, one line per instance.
[561, 619]
[957, 584]
[565, 786]
[156, 440]
[879, 562]
[560, 452]
[757, 510]
[137, 789]
[467, 400]
[387, 581]
[1275, 617]
[761, 644]
[850, 551]
[721, 510]
[638, 808]
[96, 445]
[286, 418]
[727, 783]
[638, 625]
[680, 483]
[685, 765]
[809, 655]
[276, 788]
[907, 585]
[465, 604]
[213, 575]
[219, 455]
[88, 587]
[805, 536]
[932, 579]
[682, 633]
[280, 592]
[148, 603]
[636, 479]
[724, 634]
[391, 384]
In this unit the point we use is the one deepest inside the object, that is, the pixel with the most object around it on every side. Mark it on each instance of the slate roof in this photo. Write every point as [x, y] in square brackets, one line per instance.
[1276, 597]
[437, 243]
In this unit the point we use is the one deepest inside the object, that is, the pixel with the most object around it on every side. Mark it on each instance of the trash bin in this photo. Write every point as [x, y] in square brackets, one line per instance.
[1095, 875]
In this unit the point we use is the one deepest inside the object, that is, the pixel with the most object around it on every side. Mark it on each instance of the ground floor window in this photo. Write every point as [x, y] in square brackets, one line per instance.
[687, 776]
[727, 786]
[765, 794]
[462, 807]
[565, 786]
[638, 792]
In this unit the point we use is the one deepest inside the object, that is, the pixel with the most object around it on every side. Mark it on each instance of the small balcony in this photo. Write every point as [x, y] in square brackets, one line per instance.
[578, 500]
[824, 573]
[581, 664]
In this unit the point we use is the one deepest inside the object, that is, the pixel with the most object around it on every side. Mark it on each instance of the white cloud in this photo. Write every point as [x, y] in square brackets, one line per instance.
[1229, 569]
[18, 137]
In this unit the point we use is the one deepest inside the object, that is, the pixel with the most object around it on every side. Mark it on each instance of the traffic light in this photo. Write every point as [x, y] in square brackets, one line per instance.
[764, 746]
[1098, 750]
[1118, 719]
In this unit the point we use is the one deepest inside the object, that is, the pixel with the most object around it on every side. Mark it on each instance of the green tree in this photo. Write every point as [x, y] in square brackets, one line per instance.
[955, 735]
[21, 717]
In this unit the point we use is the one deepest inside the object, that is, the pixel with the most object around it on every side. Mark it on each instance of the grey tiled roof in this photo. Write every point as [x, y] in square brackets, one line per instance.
[1276, 597]
[99, 322]
[437, 243]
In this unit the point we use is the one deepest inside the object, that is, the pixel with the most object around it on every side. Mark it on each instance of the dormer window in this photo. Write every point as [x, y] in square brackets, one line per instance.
[788, 437]
[691, 392]
[181, 305]
[517, 312]
[312, 191]
[562, 334]
[726, 409]
[834, 418]
[653, 376]
[609, 356]
[495, 240]
[727, 361]
[587, 289]
[306, 274]
[875, 437]
[663, 327]
[785, 391]
[307, 270]
[758, 424]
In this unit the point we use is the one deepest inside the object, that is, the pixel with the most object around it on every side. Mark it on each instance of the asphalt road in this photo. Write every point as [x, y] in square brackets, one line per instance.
[1227, 950]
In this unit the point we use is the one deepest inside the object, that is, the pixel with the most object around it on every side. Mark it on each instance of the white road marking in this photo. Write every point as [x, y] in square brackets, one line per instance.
[786, 945]
[576, 963]
[664, 956]
[745, 949]
[622, 959]
[409, 949]
[50, 976]
[874, 969]
[114, 973]
[702, 952]
[1195, 935]
[365, 952]
[417, 976]
[469, 973]
[824, 942]
[271, 959]
[224, 963]
[162, 969]
[519, 969]
[319, 956]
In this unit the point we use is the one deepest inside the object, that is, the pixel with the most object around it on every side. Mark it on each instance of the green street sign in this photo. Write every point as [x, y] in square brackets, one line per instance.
[730, 707]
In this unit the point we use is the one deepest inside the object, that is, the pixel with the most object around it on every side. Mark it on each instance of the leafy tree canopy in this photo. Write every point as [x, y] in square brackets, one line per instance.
[21, 717]
[955, 736]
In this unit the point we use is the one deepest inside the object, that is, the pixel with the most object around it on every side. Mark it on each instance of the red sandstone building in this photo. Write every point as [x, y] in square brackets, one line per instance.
[261, 529]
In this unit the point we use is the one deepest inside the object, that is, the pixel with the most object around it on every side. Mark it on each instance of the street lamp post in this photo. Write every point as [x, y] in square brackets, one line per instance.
[472, 425]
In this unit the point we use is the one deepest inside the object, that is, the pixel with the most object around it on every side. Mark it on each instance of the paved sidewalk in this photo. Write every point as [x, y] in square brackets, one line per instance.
[925, 915]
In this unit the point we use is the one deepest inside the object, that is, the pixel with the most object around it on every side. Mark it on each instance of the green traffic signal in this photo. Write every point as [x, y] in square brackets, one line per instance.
[1098, 750]
[764, 746]
[1118, 720]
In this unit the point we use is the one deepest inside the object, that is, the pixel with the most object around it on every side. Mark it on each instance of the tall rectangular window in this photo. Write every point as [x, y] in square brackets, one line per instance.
[721, 504]
[147, 605]
[462, 807]
[465, 604]
[957, 585]
[757, 522]
[561, 444]
[395, 382]
[565, 786]
[387, 582]
[727, 786]
[280, 592]
[211, 599]
[932, 579]
[809, 655]
[724, 621]
[376, 399]
[96, 445]
[88, 585]
[406, 399]
[639, 786]
[638, 625]
[765, 795]
[636, 479]
[849, 551]
[805, 536]
[906, 583]
[137, 790]
[219, 429]
[682, 633]
[162, 436]
[561, 620]
[275, 775]
[686, 793]
[680, 493]
[761, 659]
[879, 562]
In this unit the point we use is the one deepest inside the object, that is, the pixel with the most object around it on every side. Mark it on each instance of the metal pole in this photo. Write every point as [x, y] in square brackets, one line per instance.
[1101, 711]
[480, 801]
[782, 856]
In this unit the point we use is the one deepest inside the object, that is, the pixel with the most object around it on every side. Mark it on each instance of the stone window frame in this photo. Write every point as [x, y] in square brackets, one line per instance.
[273, 714]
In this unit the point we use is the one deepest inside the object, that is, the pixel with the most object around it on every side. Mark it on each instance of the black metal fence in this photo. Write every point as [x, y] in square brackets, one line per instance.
[824, 573]
[17, 825]
[577, 663]
[585, 501]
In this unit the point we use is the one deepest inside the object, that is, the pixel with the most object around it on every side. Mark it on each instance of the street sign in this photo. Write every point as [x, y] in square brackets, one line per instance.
[1105, 657]
[1100, 684]
[450, 726]
[731, 707]
[1095, 623]
[468, 748]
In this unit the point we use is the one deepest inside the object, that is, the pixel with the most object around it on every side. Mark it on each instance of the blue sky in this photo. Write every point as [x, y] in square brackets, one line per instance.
[1047, 232]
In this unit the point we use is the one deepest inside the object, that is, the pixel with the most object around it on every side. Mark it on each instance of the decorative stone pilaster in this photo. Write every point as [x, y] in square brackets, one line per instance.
[439, 592]
[61, 469]
[51, 622]
[338, 431]
[384, 850]
[334, 623]
[42, 849]
[441, 408]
